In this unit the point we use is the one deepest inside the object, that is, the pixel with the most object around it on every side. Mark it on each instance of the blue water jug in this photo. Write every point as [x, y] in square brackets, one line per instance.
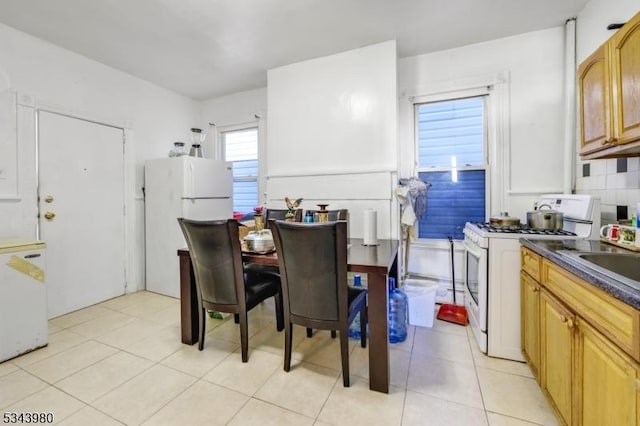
[397, 313]
[354, 328]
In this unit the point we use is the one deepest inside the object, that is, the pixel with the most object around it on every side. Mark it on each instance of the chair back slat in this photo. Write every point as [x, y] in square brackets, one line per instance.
[313, 262]
[214, 247]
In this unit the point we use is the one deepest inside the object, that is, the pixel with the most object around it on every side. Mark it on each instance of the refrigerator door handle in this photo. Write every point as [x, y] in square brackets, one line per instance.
[192, 178]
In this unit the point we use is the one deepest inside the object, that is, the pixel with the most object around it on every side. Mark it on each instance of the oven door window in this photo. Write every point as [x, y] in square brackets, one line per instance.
[472, 270]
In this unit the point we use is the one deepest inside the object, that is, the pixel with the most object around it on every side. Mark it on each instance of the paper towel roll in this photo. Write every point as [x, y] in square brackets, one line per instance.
[370, 228]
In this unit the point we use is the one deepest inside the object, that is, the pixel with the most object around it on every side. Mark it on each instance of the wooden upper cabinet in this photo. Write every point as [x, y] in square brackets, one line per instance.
[609, 91]
[593, 83]
[625, 65]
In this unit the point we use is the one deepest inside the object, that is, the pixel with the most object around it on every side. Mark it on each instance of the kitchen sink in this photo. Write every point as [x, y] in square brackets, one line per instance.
[622, 267]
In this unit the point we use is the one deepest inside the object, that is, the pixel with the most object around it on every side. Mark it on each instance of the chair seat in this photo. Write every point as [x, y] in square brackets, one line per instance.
[258, 290]
[262, 269]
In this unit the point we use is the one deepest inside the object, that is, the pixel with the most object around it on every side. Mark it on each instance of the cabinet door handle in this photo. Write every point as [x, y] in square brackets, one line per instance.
[567, 321]
[535, 289]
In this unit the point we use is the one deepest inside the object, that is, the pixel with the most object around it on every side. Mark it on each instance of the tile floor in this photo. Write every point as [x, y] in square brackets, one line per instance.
[121, 362]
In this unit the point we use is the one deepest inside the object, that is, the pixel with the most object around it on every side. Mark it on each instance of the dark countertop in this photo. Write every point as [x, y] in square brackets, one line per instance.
[550, 248]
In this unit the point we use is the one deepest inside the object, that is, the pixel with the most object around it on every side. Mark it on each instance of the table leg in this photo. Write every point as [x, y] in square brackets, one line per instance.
[188, 301]
[378, 332]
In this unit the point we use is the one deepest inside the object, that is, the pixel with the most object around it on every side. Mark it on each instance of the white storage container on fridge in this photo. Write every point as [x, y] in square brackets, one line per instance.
[23, 297]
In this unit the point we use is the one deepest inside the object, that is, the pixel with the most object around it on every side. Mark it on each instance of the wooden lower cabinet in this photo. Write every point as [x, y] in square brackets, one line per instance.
[530, 324]
[588, 372]
[556, 354]
[606, 381]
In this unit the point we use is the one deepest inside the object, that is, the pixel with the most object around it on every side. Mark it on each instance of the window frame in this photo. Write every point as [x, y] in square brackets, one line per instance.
[220, 149]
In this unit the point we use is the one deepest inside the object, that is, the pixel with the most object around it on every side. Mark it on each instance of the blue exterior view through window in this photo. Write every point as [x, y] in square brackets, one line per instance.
[450, 138]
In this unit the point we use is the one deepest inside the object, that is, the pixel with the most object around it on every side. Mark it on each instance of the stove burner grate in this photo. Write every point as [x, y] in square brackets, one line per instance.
[521, 230]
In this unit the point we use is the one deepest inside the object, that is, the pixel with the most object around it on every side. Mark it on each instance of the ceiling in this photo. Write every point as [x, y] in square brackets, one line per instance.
[208, 48]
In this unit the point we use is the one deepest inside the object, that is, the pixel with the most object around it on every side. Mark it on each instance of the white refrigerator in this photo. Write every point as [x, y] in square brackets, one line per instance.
[189, 187]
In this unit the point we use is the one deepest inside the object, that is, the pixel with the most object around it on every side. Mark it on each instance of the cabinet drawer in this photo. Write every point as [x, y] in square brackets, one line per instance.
[613, 318]
[531, 263]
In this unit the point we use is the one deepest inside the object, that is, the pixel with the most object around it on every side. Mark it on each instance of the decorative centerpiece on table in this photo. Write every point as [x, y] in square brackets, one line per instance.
[323, 213]
[258, 218]
[290, 215]
[260, 240]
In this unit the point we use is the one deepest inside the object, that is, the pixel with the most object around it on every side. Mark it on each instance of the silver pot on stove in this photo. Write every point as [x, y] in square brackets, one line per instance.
[545, 218]
[503, 220]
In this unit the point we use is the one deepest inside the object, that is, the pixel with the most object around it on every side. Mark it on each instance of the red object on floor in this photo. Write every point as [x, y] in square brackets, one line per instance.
[453, 313]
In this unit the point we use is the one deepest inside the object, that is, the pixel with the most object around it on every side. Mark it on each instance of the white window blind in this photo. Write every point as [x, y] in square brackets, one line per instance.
[450, 139]
[241, 148]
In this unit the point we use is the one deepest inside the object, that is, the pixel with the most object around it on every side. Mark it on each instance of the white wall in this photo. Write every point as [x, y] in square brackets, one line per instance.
[236, 108]
[230, 112]
[530, 66]
[526, 152]
[333, 134]
[613, 188]
[46, 76]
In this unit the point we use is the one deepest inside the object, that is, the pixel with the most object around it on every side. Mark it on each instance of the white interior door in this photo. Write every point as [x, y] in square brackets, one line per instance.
[81, 206]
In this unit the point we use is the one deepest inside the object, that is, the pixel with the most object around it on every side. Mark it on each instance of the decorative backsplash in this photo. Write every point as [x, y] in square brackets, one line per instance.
[616, 181]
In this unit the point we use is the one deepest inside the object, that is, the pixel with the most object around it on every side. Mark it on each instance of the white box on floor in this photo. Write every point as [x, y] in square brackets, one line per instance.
[422, 302]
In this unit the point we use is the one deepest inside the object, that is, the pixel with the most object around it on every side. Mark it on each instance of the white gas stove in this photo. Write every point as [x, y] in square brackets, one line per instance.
[492, 270]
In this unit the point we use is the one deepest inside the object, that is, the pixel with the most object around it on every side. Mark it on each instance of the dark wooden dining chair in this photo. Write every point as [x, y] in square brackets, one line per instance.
[313, 271]
[222, 284]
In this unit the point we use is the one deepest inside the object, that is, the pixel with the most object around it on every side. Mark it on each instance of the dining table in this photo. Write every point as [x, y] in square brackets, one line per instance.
[378, 261]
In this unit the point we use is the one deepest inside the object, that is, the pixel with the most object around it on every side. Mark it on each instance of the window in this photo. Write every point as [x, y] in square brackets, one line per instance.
[241, 148]
[451, 145]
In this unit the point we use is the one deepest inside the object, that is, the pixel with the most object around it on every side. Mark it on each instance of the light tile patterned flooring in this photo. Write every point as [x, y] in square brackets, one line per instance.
[121, 362]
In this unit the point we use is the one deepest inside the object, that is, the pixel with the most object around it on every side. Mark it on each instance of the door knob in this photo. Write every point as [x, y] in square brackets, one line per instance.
[49, 215]
[48, 199]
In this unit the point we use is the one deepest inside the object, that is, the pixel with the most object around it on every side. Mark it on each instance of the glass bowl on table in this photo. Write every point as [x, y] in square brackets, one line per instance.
[259, 241]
